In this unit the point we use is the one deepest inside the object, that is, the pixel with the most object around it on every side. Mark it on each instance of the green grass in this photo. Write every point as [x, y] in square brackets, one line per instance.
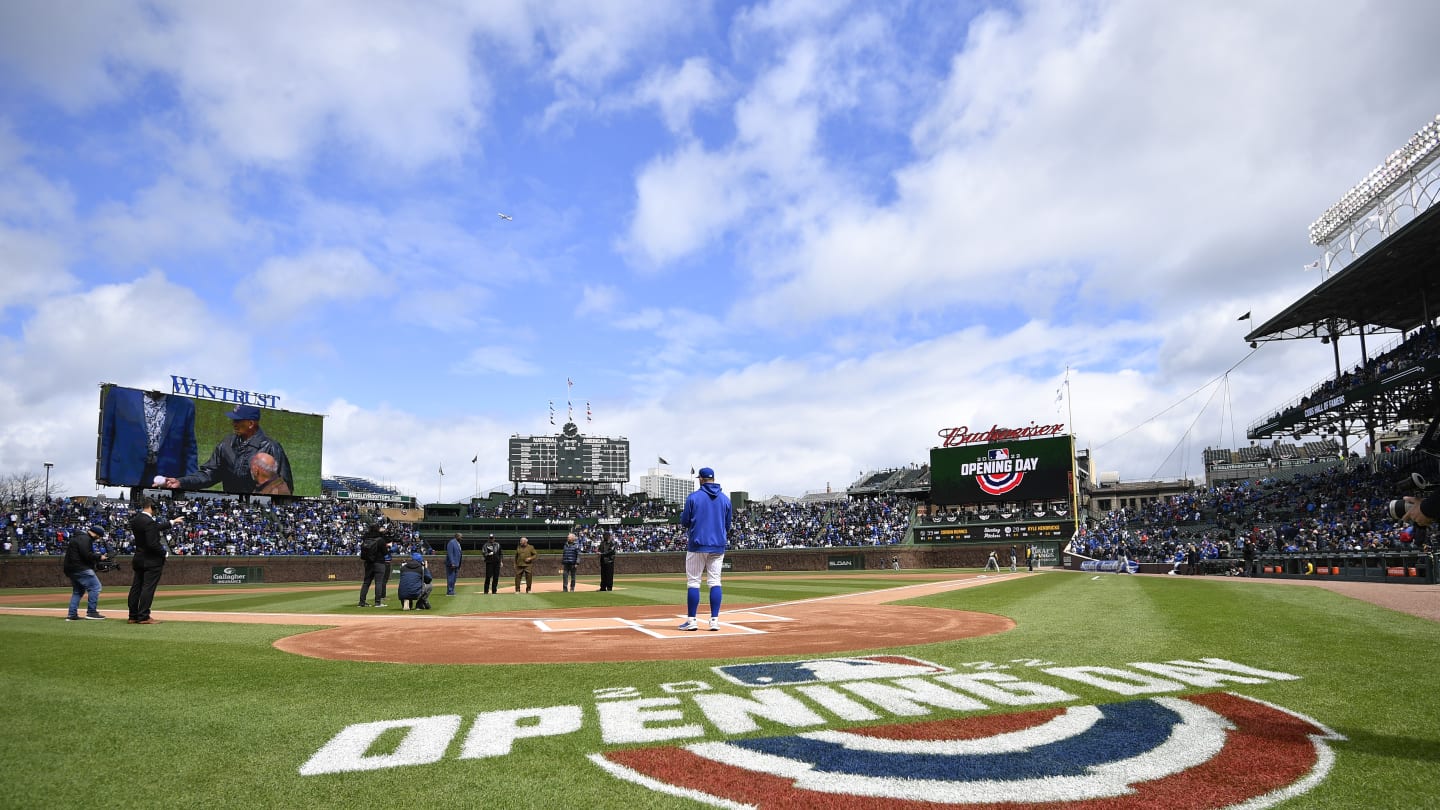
[199, 714]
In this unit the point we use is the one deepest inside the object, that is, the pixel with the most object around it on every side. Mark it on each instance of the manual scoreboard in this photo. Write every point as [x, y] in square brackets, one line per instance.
[569, 458]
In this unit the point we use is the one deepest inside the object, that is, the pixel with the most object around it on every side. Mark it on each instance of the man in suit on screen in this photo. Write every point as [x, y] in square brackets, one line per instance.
[144, 434]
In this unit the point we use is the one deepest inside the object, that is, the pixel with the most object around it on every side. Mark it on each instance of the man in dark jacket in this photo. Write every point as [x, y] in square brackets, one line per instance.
[80, 560]
[454, 556]
[569, 562]
[377, 570]
[229, 464]
[607, 562]
[149, 559]
[491, 553]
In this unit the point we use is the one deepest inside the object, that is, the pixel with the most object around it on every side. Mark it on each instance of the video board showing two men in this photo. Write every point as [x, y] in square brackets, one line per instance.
[169, 441]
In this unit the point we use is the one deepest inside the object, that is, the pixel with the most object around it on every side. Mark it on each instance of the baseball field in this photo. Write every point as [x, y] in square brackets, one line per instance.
[911, 689]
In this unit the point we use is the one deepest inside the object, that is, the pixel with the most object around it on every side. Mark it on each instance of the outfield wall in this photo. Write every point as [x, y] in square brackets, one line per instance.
[45, 572]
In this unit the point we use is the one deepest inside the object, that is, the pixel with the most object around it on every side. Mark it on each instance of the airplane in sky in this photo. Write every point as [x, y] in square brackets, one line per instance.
[505, 217]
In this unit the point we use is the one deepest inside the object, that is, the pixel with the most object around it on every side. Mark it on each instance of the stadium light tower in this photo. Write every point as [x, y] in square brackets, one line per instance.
[48, 465]
[1405, 181]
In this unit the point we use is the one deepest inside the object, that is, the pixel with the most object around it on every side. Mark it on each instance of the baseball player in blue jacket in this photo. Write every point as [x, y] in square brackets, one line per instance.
[706, 517]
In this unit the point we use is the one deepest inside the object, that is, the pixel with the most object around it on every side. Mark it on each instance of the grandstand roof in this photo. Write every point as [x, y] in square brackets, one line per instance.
[1387, 287]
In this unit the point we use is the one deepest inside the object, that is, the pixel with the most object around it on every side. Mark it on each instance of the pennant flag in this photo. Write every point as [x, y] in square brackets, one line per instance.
[442, 468]
[662, 460]
[692, 470]
[1244, 317]
[1313, 265]
[475, 459]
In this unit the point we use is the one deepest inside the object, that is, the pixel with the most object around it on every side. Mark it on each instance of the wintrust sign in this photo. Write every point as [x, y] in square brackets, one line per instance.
[957, 436]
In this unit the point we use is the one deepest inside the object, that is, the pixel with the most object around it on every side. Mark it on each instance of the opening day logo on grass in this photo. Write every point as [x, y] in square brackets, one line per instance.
[1160, 748]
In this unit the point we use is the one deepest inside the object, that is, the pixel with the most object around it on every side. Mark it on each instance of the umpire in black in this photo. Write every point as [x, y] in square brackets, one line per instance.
[149, 559]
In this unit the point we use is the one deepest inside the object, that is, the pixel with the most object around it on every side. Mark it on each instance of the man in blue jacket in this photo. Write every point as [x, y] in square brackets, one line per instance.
[706, 517]
[569, 562]
[453, 558]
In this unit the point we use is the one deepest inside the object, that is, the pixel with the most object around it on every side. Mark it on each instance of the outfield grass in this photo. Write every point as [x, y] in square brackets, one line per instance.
[199, 714]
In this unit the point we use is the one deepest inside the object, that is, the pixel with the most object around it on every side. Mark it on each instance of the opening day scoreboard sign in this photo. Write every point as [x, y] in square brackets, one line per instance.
[1014, 470]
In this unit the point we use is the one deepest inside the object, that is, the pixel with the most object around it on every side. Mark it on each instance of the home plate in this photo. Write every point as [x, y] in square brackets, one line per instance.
[732, 624]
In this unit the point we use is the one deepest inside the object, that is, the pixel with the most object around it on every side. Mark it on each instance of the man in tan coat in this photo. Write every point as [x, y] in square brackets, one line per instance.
[524, 555]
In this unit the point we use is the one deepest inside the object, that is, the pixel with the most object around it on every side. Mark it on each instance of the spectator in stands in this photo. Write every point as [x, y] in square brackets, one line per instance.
[453, 559]
[229, 463]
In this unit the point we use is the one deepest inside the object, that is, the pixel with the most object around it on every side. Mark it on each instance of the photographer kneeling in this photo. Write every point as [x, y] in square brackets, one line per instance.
[415, 584]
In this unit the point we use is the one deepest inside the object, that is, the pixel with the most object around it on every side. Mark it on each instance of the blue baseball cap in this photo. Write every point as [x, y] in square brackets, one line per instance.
[706, 472]
[417, 556]
[97, 530]
[245, 412]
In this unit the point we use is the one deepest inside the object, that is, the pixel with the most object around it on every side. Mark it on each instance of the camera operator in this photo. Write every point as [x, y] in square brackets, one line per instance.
[1423, 511]
[80, 563]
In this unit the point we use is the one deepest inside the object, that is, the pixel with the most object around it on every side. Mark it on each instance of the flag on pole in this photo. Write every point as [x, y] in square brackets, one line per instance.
[662, 460]
[475, 459]
[1313, 265]
[442, 468]
[1244, 317]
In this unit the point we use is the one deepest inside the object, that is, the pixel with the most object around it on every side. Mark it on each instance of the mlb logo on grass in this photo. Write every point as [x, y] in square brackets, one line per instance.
[827, 670]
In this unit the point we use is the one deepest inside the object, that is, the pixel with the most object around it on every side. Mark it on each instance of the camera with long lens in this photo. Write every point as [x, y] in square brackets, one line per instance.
[1396, 508]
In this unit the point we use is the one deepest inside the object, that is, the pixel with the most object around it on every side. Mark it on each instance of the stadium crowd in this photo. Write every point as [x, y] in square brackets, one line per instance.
[1339, 510]
[225, 527]
[212, 527]
[1420, 345]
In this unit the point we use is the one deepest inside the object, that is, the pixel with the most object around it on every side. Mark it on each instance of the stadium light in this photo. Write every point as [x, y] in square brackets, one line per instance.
[1400, 165]
[48, 465]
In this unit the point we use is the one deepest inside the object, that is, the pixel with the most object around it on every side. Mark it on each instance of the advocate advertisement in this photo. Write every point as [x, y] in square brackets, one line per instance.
[154, 439]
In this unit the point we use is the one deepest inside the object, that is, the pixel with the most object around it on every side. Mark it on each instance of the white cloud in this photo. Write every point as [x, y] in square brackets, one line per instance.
[32, 268]
[170, 217]
[677, 93]
[496, 360]
[133, 333]
[598, 299]
[287, 286]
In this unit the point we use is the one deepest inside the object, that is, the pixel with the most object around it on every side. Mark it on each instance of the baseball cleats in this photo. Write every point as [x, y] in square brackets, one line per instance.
[689, 625]
[714, 624]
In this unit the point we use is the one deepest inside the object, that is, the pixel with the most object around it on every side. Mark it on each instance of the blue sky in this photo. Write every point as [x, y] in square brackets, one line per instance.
[788, 240]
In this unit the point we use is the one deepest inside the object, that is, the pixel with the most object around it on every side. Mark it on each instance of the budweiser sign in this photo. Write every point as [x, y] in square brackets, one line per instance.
[954, 437]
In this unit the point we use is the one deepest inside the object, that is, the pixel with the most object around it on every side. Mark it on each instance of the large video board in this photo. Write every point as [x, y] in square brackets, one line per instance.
[1001, 472]
[569, 458]
[145, 434]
